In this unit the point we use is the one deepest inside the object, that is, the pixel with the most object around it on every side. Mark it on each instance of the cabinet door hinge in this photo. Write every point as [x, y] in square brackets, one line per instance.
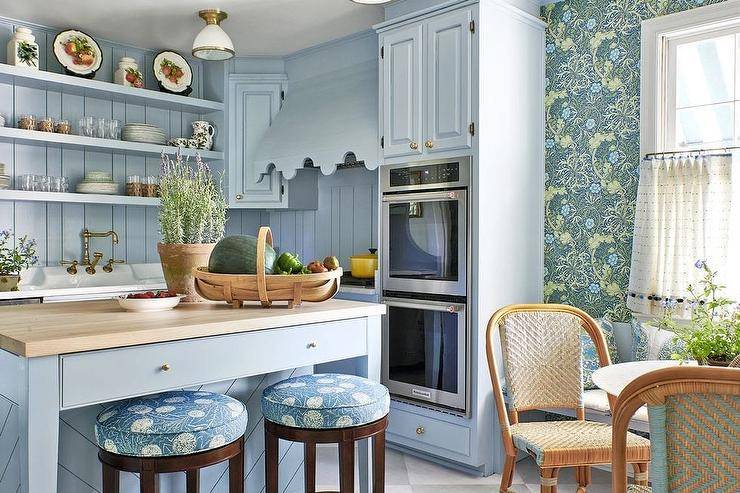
[382, 52]
[472, 26]
[282, 190]
[282, 95]
[471, 128]
[382, 142]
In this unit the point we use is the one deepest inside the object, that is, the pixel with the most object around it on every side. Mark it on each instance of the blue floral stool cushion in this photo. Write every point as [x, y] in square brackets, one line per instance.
[170, 424]
[325, 401]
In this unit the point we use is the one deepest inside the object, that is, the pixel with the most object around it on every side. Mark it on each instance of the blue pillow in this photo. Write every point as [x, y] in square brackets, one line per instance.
[589, 356]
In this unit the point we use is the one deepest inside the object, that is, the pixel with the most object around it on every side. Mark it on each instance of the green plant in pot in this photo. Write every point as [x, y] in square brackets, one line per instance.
[712, 335]
[14, 260]
[192, 218]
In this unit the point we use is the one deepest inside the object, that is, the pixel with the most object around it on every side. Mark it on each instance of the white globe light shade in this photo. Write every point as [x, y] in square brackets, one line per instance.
[212, 42]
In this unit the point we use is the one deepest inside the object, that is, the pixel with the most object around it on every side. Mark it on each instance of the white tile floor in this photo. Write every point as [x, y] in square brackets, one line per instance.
[408, 474]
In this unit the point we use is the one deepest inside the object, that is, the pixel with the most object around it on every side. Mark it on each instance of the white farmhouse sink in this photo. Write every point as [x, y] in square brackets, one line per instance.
[56, 281]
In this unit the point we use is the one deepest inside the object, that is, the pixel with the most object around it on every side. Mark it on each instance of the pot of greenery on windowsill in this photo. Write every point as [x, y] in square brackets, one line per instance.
[14, 260]
[712, 335]
[192, 218]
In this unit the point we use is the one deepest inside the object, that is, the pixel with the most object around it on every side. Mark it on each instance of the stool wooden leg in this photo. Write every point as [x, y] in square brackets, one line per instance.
[111, 481]
[379, 463]
[346, 467]
[148, 479]
[236, 470]
[193, 481]
[309, 467]
[271, 462]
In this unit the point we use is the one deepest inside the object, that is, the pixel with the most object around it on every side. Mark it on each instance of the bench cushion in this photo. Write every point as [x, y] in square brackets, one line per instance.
[597, 400]
[170, 424]
[325, 401]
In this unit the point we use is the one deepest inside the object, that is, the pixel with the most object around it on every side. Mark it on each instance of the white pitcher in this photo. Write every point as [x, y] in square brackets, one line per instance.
[203, 133]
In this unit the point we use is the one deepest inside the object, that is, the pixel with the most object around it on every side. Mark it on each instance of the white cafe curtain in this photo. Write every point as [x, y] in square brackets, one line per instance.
[684, 214]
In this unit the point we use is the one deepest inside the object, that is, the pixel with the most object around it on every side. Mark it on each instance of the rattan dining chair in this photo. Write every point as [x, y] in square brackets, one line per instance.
[694, 415]
[541, 349]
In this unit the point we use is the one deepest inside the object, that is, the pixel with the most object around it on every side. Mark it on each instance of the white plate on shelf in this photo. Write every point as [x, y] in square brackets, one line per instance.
[149, 304]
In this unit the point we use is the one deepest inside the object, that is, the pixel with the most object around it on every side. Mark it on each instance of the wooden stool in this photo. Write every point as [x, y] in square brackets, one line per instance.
[171, 432]
[326, 408]
[149, 467]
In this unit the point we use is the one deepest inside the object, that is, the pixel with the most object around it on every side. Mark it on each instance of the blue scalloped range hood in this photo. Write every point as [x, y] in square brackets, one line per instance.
[324, 118]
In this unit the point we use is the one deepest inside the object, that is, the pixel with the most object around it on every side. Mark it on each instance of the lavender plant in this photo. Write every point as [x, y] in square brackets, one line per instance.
[193, 207]
[22, 256]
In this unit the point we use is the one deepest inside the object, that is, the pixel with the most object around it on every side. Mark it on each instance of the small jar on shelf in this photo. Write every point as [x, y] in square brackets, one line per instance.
[133, 186]
[151, 186]
[45, 124]
[27, 122]
[63, 127]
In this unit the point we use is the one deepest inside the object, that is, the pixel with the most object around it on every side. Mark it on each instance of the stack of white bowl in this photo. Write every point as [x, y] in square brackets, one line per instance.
[98, 182]
[4, 179]
[143, 132]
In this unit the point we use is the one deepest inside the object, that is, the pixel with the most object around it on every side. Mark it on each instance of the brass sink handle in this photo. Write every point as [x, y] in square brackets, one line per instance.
[72, 269]
[108, 267]
[97, 257]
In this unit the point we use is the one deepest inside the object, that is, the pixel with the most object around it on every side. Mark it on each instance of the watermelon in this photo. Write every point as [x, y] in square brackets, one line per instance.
[238, 255]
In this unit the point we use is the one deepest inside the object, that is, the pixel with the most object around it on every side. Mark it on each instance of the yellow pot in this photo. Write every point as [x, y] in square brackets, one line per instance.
[364, 266]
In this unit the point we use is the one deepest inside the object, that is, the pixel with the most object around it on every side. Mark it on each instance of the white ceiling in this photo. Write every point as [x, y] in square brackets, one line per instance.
[257, 27]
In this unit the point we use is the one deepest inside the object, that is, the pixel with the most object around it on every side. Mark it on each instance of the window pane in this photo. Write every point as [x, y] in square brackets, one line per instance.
[705, 71]
[707, 124]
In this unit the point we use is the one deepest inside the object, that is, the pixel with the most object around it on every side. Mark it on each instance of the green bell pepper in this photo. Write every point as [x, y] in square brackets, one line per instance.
[288, 263]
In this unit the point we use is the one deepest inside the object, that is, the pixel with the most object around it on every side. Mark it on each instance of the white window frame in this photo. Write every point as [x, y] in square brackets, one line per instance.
[654, 92]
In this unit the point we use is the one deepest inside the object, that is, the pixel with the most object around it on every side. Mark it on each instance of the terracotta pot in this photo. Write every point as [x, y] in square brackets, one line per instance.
[178, 261]
[9, 282]
[715, 362]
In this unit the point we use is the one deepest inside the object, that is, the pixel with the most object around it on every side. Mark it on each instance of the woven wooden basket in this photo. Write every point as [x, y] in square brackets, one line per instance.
[238, 288]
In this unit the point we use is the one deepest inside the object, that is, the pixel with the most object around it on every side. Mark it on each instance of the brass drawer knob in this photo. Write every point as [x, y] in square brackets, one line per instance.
[429, 144]
[239, 196]
[414, 146]
[165, 367]
[312, 345]
[420, 430]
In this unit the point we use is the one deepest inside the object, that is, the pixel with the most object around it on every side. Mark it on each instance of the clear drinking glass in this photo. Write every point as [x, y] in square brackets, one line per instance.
[133, 186]
[63, 184]
[101, 128]
[87, 126]
[113, 129]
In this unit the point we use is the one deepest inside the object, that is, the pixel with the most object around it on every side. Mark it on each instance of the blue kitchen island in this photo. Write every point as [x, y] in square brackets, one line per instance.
[61, 363]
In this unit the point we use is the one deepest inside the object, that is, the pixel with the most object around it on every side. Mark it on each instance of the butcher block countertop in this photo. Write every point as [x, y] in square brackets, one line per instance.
[61, 328]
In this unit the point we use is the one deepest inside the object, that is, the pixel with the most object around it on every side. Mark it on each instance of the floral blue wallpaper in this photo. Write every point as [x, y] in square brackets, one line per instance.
[592, 147]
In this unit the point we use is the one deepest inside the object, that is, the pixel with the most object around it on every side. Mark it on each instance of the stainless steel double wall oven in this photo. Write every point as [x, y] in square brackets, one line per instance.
[425, 273]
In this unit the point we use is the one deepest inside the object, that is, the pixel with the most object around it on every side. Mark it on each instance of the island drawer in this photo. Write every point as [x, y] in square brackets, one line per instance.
[102, 376]
[415, 429]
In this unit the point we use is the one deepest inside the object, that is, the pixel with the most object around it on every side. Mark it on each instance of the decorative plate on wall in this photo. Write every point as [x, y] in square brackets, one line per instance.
[78, 53]
[173, 73]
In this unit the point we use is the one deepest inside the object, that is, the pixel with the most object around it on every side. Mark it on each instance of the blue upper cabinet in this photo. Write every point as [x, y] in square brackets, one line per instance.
[448, 40]
[401, 51]
[426, 86]
[253, 103]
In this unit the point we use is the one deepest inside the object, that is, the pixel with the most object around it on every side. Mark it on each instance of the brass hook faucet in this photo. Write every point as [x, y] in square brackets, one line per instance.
[97, 256]
[86, 235]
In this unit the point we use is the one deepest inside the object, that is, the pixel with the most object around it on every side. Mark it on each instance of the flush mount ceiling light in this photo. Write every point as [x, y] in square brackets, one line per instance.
[212, 42]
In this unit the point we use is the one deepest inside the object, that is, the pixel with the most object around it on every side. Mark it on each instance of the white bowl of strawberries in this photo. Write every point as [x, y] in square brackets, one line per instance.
[150, 301]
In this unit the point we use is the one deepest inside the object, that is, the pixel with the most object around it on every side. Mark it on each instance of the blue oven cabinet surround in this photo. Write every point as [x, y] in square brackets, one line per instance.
[61, 364]
[466, 78]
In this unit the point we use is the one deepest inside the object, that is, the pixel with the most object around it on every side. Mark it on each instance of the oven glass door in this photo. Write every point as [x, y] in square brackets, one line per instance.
[425, 242]
[425, 351]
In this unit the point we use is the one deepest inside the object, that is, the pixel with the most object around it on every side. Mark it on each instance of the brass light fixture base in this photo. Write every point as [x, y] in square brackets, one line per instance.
[213, 16]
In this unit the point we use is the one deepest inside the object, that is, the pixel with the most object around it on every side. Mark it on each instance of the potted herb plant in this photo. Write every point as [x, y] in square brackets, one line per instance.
[192, 218]
[712, 335]
[13, 260]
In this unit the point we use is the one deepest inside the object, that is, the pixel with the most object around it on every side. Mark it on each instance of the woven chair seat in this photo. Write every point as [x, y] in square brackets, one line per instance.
[636, 488]
[568, 443]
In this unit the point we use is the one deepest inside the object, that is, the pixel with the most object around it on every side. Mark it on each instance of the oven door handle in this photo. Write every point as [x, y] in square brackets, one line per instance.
[440, 306]
[426, 196]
